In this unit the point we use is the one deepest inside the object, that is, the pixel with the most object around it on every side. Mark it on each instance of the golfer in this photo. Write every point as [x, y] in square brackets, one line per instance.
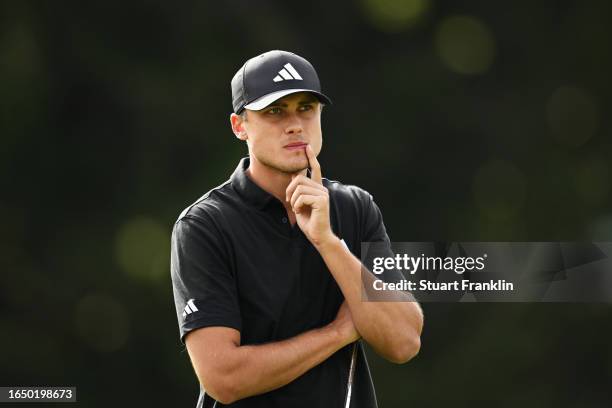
[266, 267]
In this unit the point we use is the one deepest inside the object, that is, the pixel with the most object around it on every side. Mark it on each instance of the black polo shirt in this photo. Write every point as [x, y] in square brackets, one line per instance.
[238, 262]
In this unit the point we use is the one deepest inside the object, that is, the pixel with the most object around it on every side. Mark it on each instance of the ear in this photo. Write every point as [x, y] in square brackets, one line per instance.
[237, 123]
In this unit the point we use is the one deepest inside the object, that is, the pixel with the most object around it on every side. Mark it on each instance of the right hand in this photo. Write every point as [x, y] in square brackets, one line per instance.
[343, 323]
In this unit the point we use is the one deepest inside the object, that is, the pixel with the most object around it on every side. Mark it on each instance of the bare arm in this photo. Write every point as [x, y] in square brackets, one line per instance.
[393, 329]
[229, 371]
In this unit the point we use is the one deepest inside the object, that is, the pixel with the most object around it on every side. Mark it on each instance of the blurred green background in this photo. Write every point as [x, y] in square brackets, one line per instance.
[467, 120]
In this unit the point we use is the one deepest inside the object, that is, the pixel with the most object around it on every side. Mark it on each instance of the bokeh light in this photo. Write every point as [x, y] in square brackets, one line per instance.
[395, 15]
[20, 52]
[573, 115]
[142, 249]
[102, 322]
[465, 45]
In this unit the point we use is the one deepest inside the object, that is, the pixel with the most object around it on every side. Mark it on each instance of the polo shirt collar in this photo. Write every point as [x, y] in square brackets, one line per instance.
[247, 188]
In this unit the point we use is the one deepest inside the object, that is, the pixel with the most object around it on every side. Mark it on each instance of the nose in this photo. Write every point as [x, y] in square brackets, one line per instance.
[294, 125]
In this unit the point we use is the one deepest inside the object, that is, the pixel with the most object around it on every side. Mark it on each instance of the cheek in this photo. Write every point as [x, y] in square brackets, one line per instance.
[319, 147]
[316, 139]
[262, 141]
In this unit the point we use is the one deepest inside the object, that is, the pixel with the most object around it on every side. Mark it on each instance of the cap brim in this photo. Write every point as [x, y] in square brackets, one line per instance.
[260, 103]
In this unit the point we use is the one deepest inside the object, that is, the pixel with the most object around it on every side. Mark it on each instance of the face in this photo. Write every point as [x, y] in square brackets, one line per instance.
[277, 135]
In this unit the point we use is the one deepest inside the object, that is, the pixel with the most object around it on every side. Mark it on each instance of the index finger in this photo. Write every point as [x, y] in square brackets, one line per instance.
[315, 167]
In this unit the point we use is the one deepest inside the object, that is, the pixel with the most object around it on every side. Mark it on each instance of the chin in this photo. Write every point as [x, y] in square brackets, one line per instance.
[285, 164]
[290, 166]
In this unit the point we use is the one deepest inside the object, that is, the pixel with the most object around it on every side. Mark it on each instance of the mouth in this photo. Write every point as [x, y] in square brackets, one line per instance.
[296, 146]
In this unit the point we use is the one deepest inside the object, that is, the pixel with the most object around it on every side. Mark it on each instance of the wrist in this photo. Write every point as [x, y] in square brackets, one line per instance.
[341, 337]
[327, 242]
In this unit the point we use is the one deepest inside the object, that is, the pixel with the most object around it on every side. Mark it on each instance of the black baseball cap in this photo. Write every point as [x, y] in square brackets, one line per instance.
[270, 76]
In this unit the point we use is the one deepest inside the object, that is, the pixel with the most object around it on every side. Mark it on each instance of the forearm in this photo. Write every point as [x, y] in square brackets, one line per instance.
[270, 366]
[255, 369]
[392, 328]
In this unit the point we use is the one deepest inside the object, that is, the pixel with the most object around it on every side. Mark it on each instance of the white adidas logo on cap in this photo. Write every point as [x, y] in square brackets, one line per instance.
[287, 73]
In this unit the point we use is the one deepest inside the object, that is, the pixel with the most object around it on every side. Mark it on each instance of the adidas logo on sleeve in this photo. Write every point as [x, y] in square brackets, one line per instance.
[190, 308]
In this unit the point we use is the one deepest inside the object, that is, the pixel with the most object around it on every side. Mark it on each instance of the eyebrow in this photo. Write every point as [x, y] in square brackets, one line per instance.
[302, 102]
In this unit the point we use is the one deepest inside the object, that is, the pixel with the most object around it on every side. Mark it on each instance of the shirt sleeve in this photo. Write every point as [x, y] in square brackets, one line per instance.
[376, 242]
[204, 286]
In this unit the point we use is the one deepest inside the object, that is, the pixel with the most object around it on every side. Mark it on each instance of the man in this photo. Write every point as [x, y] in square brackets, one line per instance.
[266, 286]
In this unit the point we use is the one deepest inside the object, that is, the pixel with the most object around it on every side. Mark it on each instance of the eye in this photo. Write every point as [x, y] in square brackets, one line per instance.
[274, 111]
[304, 108]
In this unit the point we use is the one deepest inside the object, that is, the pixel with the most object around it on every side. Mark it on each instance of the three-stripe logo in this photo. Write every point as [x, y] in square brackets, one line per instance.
[190, 308]
[287, 73]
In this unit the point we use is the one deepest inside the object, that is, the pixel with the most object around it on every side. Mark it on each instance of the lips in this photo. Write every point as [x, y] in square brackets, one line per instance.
[296, 146]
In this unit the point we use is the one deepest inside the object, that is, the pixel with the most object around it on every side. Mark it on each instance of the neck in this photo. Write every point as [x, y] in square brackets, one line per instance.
[271, 180]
